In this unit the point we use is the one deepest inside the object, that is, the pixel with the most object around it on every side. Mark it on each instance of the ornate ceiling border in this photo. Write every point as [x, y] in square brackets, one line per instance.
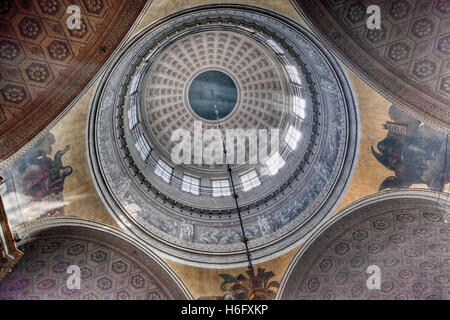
[430, 108]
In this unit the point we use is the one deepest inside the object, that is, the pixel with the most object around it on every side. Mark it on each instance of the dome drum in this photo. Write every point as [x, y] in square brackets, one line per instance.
[284, 80]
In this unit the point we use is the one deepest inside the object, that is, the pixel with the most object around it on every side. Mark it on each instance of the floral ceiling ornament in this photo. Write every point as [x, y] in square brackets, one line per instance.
[252, 287]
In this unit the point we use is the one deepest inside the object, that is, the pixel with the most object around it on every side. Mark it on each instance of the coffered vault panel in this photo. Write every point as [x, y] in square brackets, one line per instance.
[407, 60]
[112, 266]
[39, 55]
[405, 233]
[274, 63]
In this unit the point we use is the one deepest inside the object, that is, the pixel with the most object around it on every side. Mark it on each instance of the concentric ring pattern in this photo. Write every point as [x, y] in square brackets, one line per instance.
[285, 81]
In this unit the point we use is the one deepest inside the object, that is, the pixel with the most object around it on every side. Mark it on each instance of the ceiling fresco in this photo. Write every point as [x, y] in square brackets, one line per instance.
[387, 212]
[51, 179]
[39, 54]
[407, 60]
[33, 186]
[416, 153]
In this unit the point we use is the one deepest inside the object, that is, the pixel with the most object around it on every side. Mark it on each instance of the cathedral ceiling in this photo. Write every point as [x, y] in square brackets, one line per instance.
[396, 151]
[283, 84]
[39, 55]
[407, 60]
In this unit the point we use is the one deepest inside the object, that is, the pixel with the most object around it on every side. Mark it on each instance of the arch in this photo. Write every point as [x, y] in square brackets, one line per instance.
[403, 232]
[113, 265]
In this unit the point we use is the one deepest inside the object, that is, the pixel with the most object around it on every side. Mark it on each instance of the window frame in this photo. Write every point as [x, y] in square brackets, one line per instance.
[162, 172]
[276, 163]
[221, 190]
[190, 187]
[249, 182]
[292, 137]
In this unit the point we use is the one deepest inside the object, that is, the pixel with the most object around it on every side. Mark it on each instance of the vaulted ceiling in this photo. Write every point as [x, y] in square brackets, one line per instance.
[111, 267]
[405, 235]
[40, 55]
[38, 82]
[407, 60]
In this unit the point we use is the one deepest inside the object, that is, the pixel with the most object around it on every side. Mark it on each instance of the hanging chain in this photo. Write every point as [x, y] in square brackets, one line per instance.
[244, 239]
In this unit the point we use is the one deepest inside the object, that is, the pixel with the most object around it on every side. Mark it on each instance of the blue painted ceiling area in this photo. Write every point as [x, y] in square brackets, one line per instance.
[201, 94]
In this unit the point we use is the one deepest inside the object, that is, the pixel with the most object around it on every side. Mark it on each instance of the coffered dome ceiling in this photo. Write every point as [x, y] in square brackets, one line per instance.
[112, 266]
[259, 78]
[261, 71]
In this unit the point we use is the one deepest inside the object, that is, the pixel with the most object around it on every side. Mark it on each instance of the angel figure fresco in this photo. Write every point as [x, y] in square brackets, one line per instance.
[41, 176]
[47, 177]
[416, 153]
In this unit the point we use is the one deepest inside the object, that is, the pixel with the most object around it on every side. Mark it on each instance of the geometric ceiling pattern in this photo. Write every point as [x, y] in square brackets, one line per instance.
[257, 75]
[407, 238]
[407, 60]
[108, 271]
[44, 65]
